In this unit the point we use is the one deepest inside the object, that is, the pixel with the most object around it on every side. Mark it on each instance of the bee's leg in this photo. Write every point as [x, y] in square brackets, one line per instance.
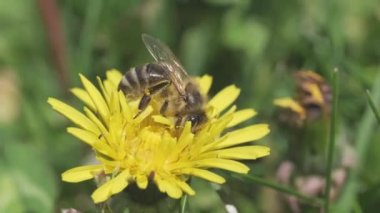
[164, 107]
[178, 123]
[143, 104]
[145, 100]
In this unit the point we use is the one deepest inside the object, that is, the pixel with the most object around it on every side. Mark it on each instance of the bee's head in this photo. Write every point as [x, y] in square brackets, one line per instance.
[197, 119]
[193, 97]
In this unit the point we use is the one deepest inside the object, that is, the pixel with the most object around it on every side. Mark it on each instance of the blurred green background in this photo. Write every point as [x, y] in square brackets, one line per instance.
[256, 45]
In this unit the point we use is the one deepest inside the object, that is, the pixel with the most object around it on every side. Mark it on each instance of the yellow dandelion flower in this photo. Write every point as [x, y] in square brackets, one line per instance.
[292, 105]
[148, 148]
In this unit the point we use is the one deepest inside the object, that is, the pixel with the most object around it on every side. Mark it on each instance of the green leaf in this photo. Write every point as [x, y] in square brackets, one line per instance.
[87, 37]
[10, 200]
[33, 181]
[226, 2]
[196, 47]
[245, 34]
[373, 107]
[364, 135]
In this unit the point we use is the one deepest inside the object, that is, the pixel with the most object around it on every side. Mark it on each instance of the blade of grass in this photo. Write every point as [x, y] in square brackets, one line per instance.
[279, 187]
[183, 204]
[373, 107]
[87, 36]
[331, 143]
[364, 134]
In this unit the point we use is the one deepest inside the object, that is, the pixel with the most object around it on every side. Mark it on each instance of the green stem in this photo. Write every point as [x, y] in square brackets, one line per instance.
[331, 143]
[278, 187]
[183, 203]
[104, 208]
[373, 107]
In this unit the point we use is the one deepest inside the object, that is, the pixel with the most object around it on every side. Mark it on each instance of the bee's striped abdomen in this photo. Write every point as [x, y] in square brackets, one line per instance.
[134, 81]
[138, 79]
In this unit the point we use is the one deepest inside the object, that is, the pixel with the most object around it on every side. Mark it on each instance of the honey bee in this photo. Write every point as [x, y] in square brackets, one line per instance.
[313, 93]
[313, 100]
[167, 79]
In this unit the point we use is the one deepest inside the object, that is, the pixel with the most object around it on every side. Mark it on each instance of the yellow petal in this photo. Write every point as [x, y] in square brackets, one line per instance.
[126, 110]
[144, 114]
[204, 84]
[101, 147]
[164, 149]
[205, 174]
[74, 115]
[142, 181]
[95, 120]
[173, 190]
[241, 152]
[84, 97]
[185, 187]
[241, 116]
[83, 135]
[113, 186]
[81, 173]
[315, 92]
[170, 187]
[96, 97]
[114, 103]
[114, 76]
[229, 165]
[215, 130]
[103, 91]
[243, 135]
[290, 104]
[161, 120]
[224, 98]
[184, 140]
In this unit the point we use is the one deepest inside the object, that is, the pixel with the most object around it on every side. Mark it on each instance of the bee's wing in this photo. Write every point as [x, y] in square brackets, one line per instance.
[162, 53]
